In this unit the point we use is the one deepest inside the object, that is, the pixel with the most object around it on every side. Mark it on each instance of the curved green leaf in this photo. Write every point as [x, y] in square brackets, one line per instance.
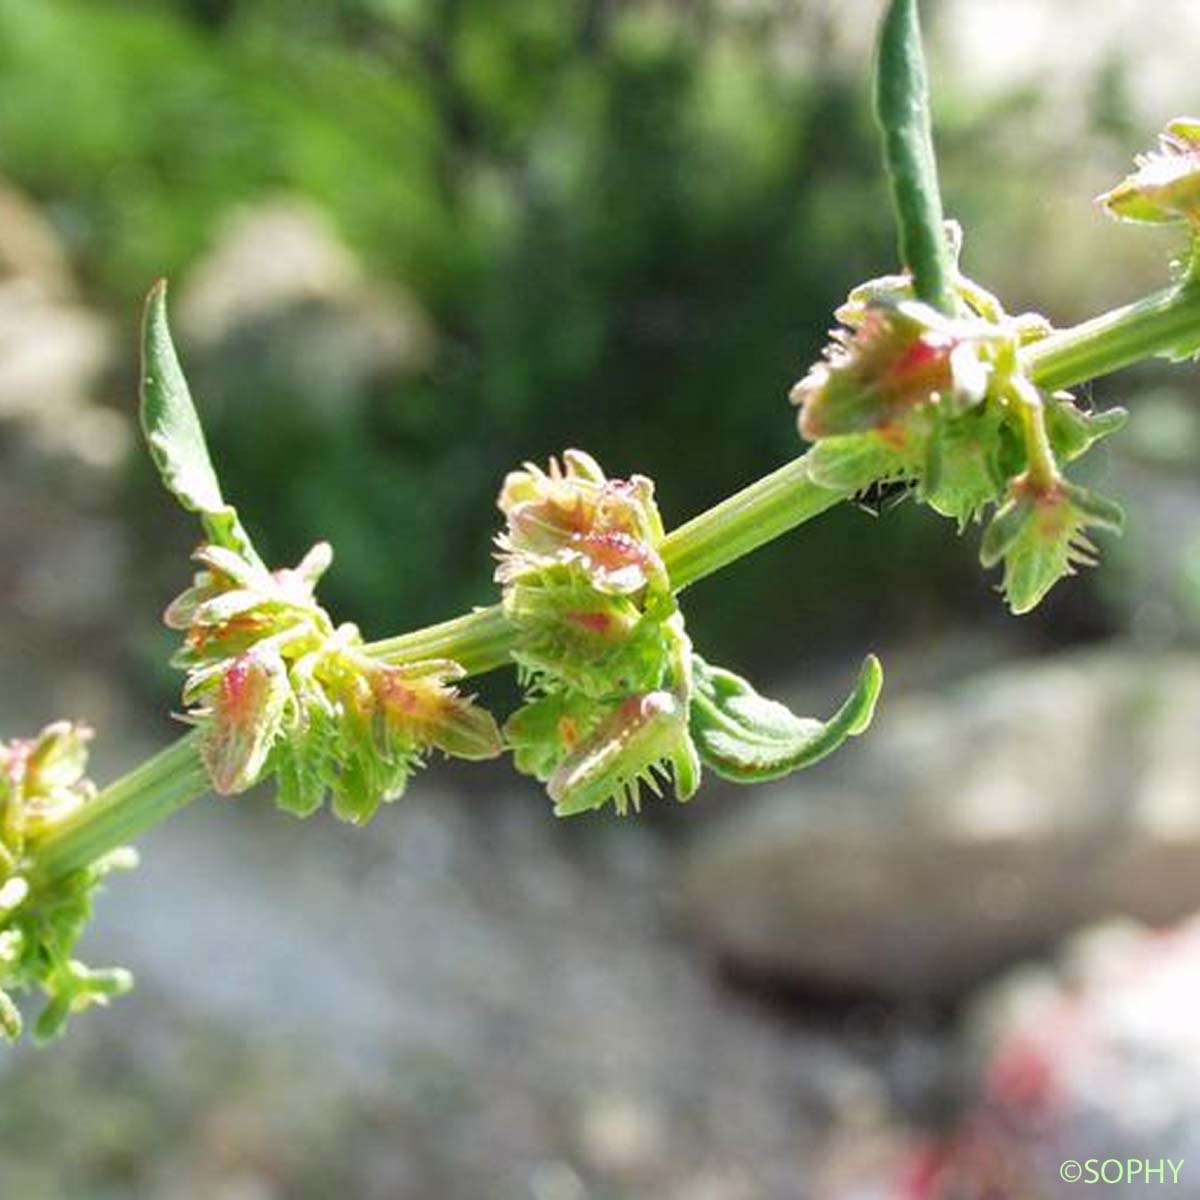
[747, 738]
[1072, 431]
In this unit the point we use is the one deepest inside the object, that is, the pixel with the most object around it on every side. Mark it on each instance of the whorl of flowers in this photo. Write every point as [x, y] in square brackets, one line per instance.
[906, 394]
[614, 695]
[43, 784]
[603, 653]
[277, 690]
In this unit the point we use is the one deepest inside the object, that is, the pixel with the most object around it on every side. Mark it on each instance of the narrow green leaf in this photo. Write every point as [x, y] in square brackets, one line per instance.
[169, 419]
[174, 435]
[747, 738]
[902, 110]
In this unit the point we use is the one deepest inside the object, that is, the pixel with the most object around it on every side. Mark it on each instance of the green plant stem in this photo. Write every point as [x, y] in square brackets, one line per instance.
[748, 519]
[769, 507]
[123, 811]
[1166, 322]
[479, 642]
[902, 110]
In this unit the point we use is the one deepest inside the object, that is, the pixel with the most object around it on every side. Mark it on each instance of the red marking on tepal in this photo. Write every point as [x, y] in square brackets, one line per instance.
[594, 622]
[922, 353]
[395, 694]
[242, 685]
[923, 365]
[615, 549]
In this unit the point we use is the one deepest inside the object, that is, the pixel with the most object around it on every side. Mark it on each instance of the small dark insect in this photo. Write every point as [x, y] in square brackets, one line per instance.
[883, 497]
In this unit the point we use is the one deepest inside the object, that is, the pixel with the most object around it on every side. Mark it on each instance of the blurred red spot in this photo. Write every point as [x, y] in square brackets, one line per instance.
[593, 621]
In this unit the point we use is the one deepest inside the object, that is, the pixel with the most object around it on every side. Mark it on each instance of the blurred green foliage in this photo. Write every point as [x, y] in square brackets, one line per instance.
[627, 224]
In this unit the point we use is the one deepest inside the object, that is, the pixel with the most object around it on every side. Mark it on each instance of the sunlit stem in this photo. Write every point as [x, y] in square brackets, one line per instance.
[1167, 322]
[123, 811]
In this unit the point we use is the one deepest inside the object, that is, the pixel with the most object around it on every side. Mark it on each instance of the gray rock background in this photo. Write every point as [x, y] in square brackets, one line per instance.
[976, 825]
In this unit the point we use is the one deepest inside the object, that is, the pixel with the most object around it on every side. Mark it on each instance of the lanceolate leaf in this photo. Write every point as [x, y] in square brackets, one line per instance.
[902, 108]
[174, 435]
[747, 738]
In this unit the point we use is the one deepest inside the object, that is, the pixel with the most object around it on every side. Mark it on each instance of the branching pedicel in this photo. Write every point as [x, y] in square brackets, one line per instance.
[928, 382]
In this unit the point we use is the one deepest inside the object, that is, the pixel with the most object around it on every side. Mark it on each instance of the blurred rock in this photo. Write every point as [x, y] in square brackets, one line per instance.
[469, 1001]
[623, 1136]
[282, 302]
[970, 830]
[1087, 1074]
[54, 352]
[30, 249]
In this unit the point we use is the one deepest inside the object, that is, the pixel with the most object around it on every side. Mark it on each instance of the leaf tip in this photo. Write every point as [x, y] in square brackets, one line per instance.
[866, 692]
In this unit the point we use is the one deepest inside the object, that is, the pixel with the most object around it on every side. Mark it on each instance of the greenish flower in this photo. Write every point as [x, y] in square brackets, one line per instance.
[1166, 185]
[44, 783]
[1040, 535]
[240, 704]
[572, 516]
[583, 580]
[644, 741]
[603, 652]
[890, 382]
[277, 690]
[899, 356]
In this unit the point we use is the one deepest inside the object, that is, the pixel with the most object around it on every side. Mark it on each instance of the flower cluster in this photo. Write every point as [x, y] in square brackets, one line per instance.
[906, 394]
[43, 784]
[615, 696]
[277, 690]
[604, 656]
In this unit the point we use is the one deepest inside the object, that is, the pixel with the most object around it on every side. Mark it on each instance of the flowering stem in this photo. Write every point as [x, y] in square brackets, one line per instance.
[1166, 322]
[756, 515]
[123, 811]
[479, 642]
